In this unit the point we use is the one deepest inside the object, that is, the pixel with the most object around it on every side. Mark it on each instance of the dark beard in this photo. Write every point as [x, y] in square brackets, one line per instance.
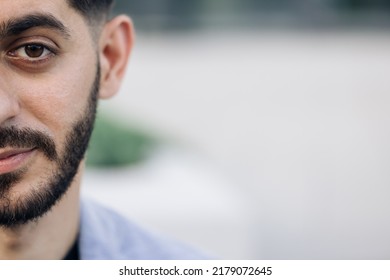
[43, 197]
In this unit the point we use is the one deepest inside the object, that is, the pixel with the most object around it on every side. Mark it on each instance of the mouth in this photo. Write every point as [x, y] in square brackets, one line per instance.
[13, 159]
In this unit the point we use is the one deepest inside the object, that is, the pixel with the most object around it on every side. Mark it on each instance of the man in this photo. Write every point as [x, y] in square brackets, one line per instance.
[58, 57]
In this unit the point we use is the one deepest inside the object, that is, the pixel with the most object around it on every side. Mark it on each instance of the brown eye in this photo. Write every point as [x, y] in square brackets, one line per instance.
[31, 53]
[34, 51]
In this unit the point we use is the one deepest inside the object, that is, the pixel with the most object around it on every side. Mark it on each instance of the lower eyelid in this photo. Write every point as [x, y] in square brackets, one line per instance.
[32, 65]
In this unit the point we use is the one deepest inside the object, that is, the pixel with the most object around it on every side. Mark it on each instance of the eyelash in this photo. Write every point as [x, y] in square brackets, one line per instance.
[48, 52]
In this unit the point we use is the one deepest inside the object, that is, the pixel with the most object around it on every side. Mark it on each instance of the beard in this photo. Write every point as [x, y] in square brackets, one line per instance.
[43, 196]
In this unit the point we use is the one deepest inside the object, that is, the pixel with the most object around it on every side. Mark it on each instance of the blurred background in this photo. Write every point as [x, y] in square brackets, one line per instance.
[253, 129]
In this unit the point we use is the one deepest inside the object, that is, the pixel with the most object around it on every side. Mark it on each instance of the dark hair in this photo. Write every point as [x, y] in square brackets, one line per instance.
[92, 10]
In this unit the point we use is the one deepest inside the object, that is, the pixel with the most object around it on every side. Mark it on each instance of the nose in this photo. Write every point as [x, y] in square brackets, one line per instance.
[9, 103]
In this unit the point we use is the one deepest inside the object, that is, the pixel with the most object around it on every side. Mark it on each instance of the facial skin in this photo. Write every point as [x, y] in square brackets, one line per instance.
[41, 90]
[53, 67]
[39, 200]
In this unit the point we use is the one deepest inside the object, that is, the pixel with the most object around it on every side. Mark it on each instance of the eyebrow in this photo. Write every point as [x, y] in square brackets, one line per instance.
[16, 26]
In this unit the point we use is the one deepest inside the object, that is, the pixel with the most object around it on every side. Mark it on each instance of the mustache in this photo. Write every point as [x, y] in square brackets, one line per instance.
[28, 138]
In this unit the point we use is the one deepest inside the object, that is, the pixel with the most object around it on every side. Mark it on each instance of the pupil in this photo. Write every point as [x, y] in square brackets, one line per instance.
[34, 50]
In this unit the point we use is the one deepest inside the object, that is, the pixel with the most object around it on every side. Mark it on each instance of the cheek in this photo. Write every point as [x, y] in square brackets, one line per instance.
[54, 102]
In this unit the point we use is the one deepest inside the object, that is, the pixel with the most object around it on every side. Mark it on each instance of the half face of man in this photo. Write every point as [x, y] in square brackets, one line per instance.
[44, 195]
[49, 82]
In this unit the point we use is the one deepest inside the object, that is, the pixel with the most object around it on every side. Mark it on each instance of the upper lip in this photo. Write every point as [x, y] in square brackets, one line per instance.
[13, 152]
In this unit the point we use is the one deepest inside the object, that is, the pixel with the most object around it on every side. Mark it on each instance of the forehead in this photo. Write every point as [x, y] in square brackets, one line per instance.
[20, 7]
[11, 10]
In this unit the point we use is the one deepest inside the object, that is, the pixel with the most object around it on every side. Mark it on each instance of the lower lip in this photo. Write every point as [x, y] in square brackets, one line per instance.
[14, 162]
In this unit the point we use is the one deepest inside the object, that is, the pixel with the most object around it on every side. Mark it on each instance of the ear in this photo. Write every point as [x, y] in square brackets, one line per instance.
[115, 44]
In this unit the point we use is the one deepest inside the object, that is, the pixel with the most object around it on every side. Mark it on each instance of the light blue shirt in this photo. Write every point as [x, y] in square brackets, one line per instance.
[106, 235]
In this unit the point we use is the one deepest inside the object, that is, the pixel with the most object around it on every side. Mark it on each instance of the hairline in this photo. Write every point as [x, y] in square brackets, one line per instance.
[95, 23]
[95, 17]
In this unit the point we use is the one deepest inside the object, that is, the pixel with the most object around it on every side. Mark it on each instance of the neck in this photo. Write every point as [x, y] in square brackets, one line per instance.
[50, 237]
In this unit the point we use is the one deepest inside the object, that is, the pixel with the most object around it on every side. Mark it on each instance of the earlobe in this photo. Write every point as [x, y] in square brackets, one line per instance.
[115, 45]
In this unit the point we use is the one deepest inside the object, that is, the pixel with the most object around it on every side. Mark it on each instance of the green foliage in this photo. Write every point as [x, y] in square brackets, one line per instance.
[114, 145]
